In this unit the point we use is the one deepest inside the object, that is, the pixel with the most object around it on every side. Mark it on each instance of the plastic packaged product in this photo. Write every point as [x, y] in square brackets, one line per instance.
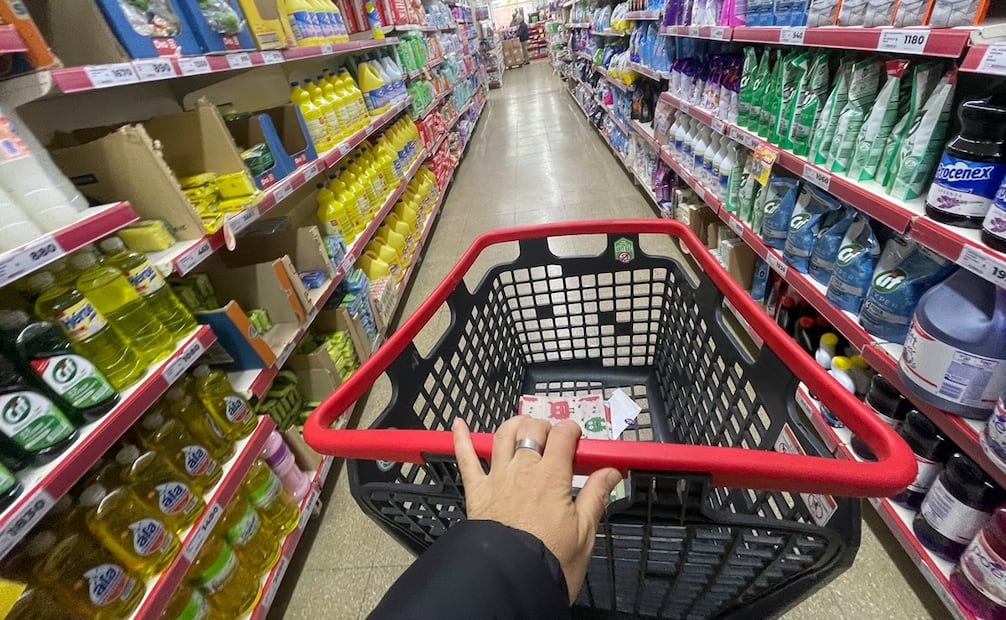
[953, 13]
[923, 79]
[270, 499]
[162, 487]
[813, 205]
[762, 193]
[760, 280]
[746, 194]
[773, 96]
[232, 413]
[955, 352]
[913, 164]
[778, 205]
[245, 531]
[760, 83]
[744, 97]
[827, 120]
[840, 367]
[852, 13]
[808, 102]
[863, 84]
[794, 74]
[910, 13]
[830, 233]
[905, 271]
[190, 411]
[822, 13]
[993, 438]
[978, 582]
[278, 456]
[176, 443]
[869, 148]
[957, 506]
[889, 405]
[853, 265]
[931, 448]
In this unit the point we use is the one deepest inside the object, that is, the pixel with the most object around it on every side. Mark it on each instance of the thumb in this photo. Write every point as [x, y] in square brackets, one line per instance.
[593, 497]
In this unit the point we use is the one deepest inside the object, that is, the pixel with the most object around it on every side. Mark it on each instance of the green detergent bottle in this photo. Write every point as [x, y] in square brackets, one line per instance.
[35, 429]
[41, 351]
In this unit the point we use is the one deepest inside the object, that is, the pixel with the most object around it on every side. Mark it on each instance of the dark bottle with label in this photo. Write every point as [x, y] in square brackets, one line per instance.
[931, 449]
[35, 429]
[956, 508]
[42, 351]
[889, 405]
[972, 167]
[10, 488]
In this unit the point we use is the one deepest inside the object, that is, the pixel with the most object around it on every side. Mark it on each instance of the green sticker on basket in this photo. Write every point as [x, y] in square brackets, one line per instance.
[625, 251]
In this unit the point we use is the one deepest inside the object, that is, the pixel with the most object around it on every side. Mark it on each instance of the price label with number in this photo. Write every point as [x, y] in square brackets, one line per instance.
[198, 539]
[41, 252]
[194, 65]
[718, 125]
[235, 224]
[993, 60]
[985, 264]
[792, 36]
[736, 225]
[327, 48]
[277, 577]
[777, 263]
[694, 31]
[239, 61]
[818, 177]
[283, 191]
[154, 69]
[105, 76]
[683, 105]
[720, 34]
[177, 367]
[903, 40]
[698, 189]
[24, 517]
[312, 171]
[272, 58]
[197, 254]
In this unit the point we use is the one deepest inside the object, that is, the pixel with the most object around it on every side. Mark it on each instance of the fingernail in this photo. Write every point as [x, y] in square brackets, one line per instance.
[456, 424]
[614, 477]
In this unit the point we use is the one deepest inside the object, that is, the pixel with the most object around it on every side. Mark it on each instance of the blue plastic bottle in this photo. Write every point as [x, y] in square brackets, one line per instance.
[955, 353]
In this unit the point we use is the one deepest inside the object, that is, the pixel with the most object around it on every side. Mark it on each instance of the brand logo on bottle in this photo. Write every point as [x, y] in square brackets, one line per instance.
[148, 536]
[144, 279]
[173, 497]
[888, 281]
[236, 409]
[16, 409]
[848, 252]
[81, 320]
[961, 172]
[106, 583]
[799, 221]
[65, 370]
[197, 460]
[771, 206]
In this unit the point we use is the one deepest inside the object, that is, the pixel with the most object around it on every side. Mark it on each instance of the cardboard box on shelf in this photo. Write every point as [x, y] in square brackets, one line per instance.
[268, 26]
[739, 260]
[303, 246]
[235, 37]
[343, 320]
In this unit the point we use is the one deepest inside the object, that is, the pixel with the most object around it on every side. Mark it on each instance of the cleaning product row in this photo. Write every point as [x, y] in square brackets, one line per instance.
[332, 106]
[933, 13]
[315, 22]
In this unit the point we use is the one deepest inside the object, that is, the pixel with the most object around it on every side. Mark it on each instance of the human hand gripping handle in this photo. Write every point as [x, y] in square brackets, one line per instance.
[532, 492]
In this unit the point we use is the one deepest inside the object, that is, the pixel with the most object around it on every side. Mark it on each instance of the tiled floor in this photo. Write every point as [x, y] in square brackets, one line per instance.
[535, 159]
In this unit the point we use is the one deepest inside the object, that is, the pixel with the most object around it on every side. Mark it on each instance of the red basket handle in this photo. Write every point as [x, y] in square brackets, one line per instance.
[728, 467]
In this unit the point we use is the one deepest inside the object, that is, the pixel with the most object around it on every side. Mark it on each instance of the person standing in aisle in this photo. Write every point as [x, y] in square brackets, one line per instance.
[522, 36]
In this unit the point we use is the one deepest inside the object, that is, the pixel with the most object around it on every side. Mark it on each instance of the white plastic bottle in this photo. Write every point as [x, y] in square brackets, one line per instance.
[397, 77]
[25, 180]
[699, 152]
[715, 150]
[16, 228]
[56, 176]
[840, 366]
[726, 165]
[679, 135]
[826, 350]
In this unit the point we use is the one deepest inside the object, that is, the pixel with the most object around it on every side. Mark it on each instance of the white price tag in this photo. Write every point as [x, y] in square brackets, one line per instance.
[908, 40]
[683, 105]
[240, 221]
[744, 138]
[193, 257]
[23, 519]
[347, 264]
[792, 36]
[198, 539]
[154, 69]
[272, 58]
[104, 76]
[818, 177]
[312, 500]
[194, 65]
[239, 61]
[694, 31]
[736, 225]
[985, 264]
[718, 125]
[326, 48]
[277, 578]
[41, 251]
[777, 263]
[994, 60]
[720, 34]
[312, 171]
[177, 367]
[283, 191]
[326, 467]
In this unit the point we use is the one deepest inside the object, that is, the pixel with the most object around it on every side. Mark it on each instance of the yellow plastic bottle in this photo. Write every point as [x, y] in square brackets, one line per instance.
[343, 194]
[325, 22]
[84, 579]
[359, 104]
[170, 438]
[303, 22]
[357, 196]
[187, 409]
[127, 312]
[313, 117]
[404, 230]
[88, 330]
[405, 212]
[333, 112]
[366, 159]
[36, 604]
[373, 88]
[266, 493]
[229, 409]
[366, 178]
[333, 216]
[256, 547]
[340, 103]
[327, 112]
[395, 241]
[126, 527]
[162, 486]
[188, 603]
[227, 585]
[382, 263]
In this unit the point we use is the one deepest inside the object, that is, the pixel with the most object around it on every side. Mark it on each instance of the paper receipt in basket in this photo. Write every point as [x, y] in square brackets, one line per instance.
[590, 412]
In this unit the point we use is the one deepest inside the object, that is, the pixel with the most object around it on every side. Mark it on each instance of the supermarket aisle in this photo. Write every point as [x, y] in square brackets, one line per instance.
[535, 159]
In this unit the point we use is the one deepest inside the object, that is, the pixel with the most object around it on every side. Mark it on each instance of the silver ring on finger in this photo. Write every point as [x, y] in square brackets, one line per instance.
[530, 444]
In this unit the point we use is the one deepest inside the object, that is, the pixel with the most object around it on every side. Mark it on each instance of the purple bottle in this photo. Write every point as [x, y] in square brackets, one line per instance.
[955, 352]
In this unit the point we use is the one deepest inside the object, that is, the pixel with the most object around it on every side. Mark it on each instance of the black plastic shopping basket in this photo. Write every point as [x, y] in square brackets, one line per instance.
[733, 508]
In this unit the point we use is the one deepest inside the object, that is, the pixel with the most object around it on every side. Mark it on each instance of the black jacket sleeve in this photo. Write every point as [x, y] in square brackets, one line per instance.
[480, 569]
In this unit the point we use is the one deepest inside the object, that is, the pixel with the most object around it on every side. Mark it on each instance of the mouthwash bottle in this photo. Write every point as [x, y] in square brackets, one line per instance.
[151, 286]
[42, 349]
[126, 311]
[972, 167]
[34, 430]
[88, 330]
[229, 409]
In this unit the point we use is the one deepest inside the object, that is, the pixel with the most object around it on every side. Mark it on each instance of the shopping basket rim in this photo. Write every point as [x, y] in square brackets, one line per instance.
[728, 467]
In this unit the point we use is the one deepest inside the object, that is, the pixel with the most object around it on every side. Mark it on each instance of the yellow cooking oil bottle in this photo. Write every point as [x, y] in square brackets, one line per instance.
[189, 603]
[83, 578]
[313, 117]
[266, 493]
[129, 529]
[126, 311]
[88, 330]
[327, 112]
[170, 437]
[148, 282]
[191, 412]
[229, 409]
[257, 548]
[227, 584]
[162, 486]
[333, 215]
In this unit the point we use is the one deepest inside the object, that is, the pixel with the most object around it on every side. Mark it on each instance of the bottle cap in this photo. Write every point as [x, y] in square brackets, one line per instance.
[112, 245]
[153, 420]
[175, 394]
[201, 372]
[83, 260]
[92, 495]
[41, 543]
[829, 339]
[13, 320]
[840, 362]
[859, 362]
[40, 281]
[127, 455]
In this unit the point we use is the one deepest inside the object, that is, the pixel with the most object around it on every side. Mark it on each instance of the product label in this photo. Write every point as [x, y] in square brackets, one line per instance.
[215, 577]
[303, 25]
[75, 379]
[265, 494]
[32, 420]
[198, 461]
[149, 537]
[245, 529]
[145, 279]
[985, 569]
[964, 187]
[993, 438]
[175, 498]
[950, 373]
[948, 516]
[995, 219]
[81, 320]
[196, 609]
[236, 409]
[927, 473]
[11, 145]
[316, 128]
[107, 583]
